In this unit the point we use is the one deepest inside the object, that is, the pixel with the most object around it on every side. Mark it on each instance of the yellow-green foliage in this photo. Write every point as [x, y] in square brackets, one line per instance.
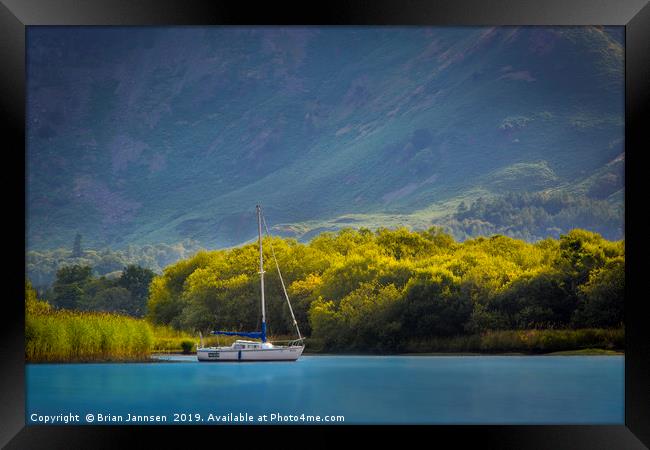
[32, 304]
[63, 335]
[381, 290]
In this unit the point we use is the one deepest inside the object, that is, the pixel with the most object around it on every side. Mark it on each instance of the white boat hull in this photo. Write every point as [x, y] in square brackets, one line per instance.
[228, 354]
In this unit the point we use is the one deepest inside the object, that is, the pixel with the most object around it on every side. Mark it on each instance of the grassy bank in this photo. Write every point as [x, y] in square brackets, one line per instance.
[524, 341]
[587, 352]
[581, 341]
[67, 336]
[71, 336]
[170, 340]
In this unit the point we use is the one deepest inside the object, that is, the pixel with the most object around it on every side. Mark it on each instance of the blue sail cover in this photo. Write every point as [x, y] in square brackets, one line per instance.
[253, 334]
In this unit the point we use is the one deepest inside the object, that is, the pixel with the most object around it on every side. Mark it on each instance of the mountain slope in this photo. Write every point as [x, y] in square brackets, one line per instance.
[158, 135]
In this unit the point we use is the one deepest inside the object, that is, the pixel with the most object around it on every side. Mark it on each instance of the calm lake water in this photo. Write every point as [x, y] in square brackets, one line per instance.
[363, 389]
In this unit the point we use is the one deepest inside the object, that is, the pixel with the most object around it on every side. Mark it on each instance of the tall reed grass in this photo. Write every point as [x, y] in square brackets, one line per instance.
[66, 336]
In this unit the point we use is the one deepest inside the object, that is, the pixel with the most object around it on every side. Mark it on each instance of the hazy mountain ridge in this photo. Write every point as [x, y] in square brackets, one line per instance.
[157, 136]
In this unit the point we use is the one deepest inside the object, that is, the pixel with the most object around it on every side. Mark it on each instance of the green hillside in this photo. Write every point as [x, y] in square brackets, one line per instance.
[150, 136]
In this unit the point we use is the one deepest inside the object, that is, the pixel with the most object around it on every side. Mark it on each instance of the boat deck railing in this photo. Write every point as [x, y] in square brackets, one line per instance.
[292, 343]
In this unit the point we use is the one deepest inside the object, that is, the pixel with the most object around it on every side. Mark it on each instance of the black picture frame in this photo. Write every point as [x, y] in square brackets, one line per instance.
[16, 15]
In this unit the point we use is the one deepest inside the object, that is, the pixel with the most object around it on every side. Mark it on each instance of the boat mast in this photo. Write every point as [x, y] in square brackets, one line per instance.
[259, 230]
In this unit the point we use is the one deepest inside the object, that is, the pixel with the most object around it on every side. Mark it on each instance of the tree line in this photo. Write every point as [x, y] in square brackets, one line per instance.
[77, 288]
[534, 216]
[528, 216]
[377, 291]
[42, 265]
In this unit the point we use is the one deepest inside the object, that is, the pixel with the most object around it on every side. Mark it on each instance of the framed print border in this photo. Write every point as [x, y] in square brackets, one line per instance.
[16, 15]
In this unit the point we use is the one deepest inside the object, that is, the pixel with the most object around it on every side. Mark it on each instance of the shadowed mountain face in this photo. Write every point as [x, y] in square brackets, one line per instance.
[148, 135]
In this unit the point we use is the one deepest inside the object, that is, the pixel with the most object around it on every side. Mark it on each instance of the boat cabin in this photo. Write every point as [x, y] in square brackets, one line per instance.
[249, 345]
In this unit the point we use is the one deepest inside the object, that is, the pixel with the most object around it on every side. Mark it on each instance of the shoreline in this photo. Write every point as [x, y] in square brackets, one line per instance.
[155, 357]
[576, 352]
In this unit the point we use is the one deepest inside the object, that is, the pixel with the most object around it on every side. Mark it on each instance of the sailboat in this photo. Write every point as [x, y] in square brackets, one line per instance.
[247, 350]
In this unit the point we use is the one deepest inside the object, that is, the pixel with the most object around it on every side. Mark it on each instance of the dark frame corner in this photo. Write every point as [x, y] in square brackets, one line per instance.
[16, 15]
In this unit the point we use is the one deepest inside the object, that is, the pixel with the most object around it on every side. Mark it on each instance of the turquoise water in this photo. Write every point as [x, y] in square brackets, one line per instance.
[362, 389]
